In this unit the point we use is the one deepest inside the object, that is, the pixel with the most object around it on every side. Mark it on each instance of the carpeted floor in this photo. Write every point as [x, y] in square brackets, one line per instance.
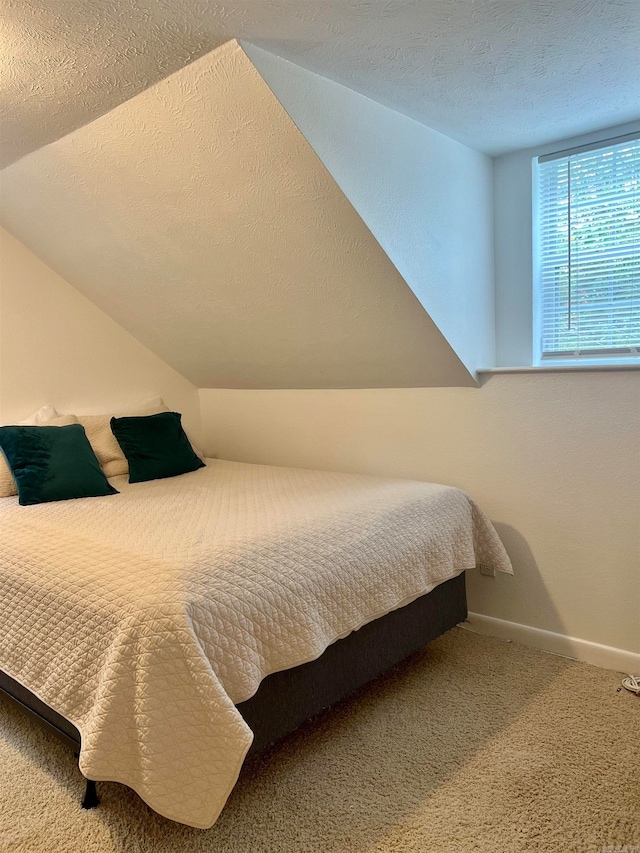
[472, 745]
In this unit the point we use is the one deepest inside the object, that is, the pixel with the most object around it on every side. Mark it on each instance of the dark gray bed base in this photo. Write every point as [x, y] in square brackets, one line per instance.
[287, 699]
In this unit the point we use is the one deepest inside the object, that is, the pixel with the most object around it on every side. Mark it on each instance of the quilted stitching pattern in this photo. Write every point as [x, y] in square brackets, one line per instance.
[145, 617]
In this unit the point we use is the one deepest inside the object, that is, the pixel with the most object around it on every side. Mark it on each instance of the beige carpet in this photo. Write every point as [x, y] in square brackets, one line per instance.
[472, 745]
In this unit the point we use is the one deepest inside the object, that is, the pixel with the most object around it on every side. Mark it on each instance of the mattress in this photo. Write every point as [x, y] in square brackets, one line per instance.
[144, 618]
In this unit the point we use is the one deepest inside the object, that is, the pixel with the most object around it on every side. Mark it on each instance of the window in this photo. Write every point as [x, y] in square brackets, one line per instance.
[587, 257]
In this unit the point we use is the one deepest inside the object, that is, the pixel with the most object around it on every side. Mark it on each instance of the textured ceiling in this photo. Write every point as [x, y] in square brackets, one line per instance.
[199, 218]
[494, 74]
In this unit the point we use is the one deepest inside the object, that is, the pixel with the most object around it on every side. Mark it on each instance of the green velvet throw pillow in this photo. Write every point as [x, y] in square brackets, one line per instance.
[155, 446]
[53, 463]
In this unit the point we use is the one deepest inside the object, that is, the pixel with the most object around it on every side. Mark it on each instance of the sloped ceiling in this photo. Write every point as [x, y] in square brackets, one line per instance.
[494, 74]
[427, 199]
[198, 217]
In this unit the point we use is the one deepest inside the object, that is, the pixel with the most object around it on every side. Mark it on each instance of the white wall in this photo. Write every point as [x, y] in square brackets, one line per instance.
[57, 347]
[426, 198]
[513, 245]
[554, 459]
[199, 218]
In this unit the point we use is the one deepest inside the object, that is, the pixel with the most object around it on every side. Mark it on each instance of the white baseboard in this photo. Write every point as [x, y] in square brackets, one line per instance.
[607, 657]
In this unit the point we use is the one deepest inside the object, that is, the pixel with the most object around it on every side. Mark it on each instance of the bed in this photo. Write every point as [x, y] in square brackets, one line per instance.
[169, 629]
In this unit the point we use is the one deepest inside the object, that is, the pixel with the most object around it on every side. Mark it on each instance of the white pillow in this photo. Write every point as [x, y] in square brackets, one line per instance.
[103, 441]
[46, 413]
[7, 483]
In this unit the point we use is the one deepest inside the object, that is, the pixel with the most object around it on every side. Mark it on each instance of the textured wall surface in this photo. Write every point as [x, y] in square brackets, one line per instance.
[496, 74]
[198, 217]
[430, 205]
[56, 347]
[554, 459]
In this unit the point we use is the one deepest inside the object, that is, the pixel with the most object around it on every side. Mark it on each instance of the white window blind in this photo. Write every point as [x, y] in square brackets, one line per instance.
[588, 252]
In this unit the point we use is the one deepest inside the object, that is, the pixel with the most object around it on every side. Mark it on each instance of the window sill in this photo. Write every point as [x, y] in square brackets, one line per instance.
[561, 368]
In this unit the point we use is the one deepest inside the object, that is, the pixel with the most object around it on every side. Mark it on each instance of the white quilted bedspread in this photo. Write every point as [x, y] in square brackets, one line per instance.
[145, 617]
